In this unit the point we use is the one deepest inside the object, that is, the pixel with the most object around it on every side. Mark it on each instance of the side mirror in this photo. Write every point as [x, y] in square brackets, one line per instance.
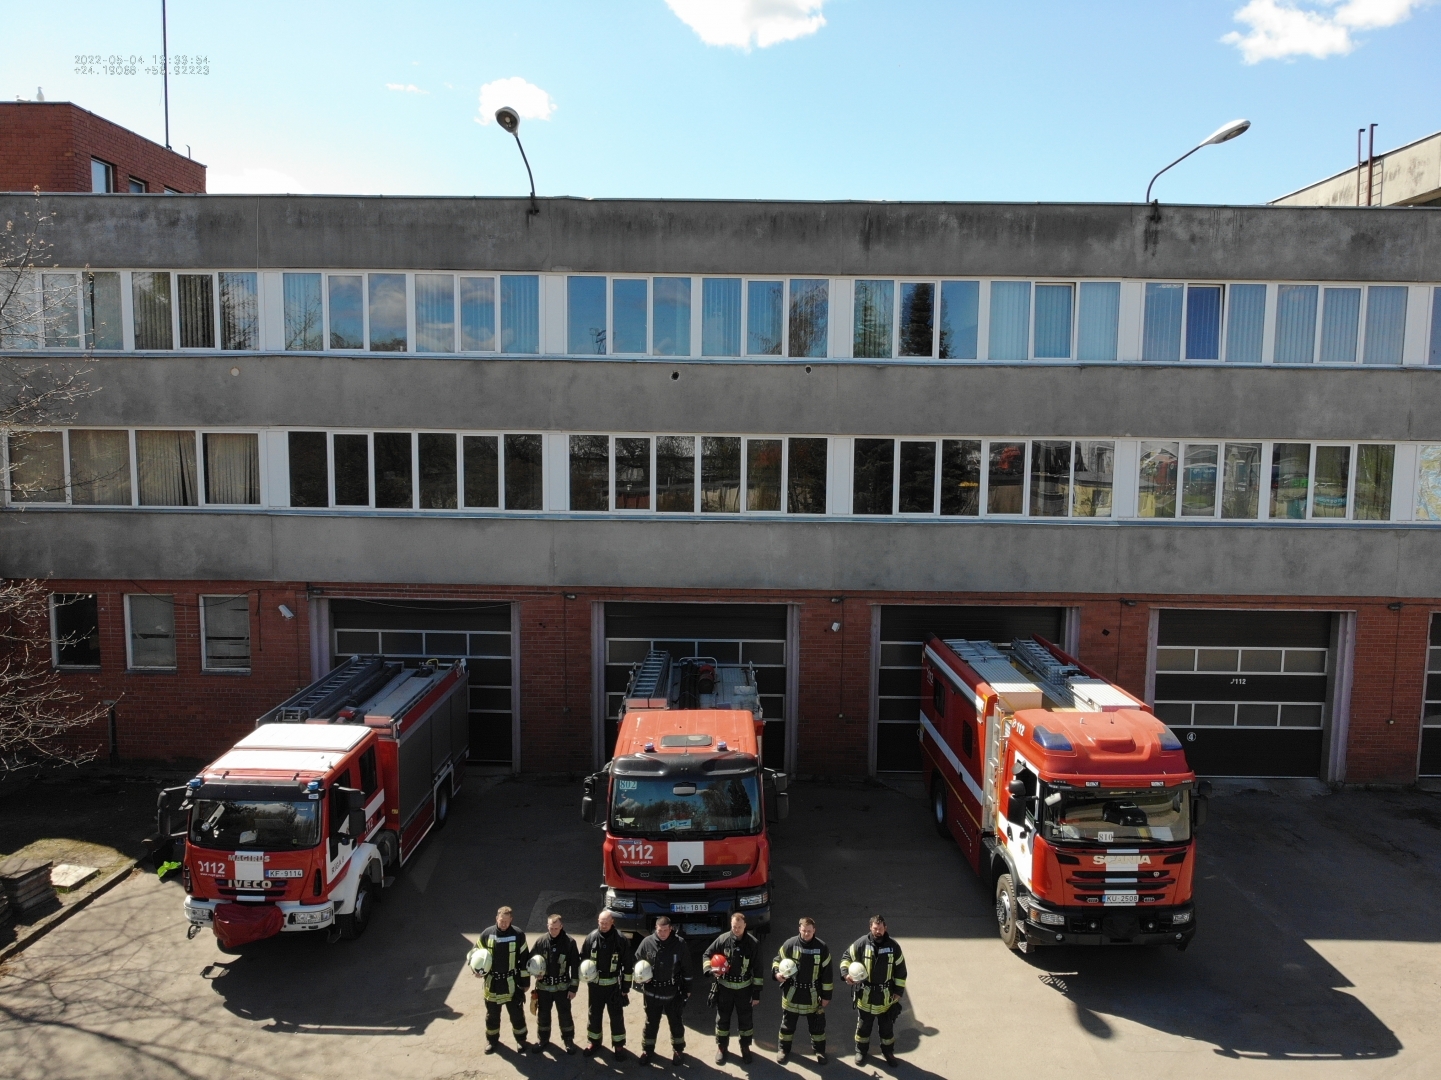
[783, 781]
[587, 809]
[1204, 788]
[169, 804]
[354, 799]
[783, 805]
[1017, 789]
[355, 823]
[1199, 806]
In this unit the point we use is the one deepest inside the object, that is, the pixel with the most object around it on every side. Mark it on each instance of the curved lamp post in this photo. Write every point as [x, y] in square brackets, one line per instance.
[509, 119]
[1222, 134]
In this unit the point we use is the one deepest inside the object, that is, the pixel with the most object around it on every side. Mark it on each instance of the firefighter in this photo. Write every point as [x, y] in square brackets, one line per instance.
[556, 986]
[806, 991]
[506, 982]
[610, 993]
[737, 986]
[879, 990]
[666, 992]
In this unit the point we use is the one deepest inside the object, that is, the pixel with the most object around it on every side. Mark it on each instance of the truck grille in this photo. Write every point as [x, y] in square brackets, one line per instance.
[674, 875]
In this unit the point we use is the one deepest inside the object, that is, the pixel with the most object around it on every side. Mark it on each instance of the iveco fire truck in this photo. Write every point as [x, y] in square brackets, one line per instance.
[1064, 792]
[685, 800]
[298, 825]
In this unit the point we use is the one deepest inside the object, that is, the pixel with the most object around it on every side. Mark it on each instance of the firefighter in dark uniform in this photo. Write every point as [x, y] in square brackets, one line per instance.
[506, 982]
[666, 992]
[879, 991]
[808, 991]
[610, 993]
[556, 986]
[737, 986]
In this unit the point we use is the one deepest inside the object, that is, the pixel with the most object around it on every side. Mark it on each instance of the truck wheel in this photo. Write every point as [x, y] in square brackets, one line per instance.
[1008, 912]
[442, 805]
[388, 844]
[354, 924]
[938, 808]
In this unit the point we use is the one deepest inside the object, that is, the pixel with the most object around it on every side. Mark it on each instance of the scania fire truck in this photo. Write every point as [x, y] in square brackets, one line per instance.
[685, 800]
[1064, 792]
[298, 825]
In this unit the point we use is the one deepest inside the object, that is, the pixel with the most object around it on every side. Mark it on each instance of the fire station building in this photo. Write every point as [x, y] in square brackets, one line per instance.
[1199, 447]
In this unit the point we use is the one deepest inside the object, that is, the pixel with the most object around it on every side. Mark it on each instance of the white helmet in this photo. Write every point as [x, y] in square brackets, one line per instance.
[788, 968]
[857, 971]
[589, 971]
[478, 960]
[536, 966]
[643, 971]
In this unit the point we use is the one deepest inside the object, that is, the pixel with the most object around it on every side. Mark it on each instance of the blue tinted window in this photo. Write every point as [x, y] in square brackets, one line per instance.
[1203, 322]
[672, 316]
[585, 316]
[628, 314]
[477, 314]
[764, 310]
[1296, 324]
[1246, 324]
[1010, 320]
[960, 308]
[810, 316]
[387, 313]
[1340, 322]
[1161, 330]
[918, 319]
[347, 313]
[1098, 320]
[1053, 322]
[720, 326]
[519, 313]
[1385, 323]
[874, 318]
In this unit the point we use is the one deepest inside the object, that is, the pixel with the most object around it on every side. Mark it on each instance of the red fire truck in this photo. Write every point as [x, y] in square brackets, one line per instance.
[298, 825]
[685, 800]
[1064, 792]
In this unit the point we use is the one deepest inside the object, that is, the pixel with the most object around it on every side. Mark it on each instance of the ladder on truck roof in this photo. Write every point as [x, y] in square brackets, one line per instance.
[349, 684]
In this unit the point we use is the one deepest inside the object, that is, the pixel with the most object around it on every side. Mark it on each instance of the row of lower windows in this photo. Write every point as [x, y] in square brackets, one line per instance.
[224, 628]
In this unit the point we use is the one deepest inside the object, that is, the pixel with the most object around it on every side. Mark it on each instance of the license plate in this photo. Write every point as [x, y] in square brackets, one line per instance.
[696, 928]
[689, 908]
[1121, 898]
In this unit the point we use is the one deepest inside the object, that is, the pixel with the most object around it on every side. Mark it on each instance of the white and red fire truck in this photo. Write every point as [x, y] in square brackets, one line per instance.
[685, 800]
[298, 825]
[1064, 792]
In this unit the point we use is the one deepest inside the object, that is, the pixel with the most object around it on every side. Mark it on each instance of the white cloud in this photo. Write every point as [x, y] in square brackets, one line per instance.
[254, 181]
[405, 88]
[1282, 28]
[743, 23]
[527, 99]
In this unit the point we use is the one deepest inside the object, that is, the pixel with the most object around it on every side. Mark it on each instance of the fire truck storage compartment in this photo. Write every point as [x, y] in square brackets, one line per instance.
[1249, 693]
[425, 746]
[731, 633]
[1431, 715]
[898, 677]
[413, 631]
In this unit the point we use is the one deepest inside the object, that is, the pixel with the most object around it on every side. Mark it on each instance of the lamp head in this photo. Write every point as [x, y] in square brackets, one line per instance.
[1226, 132]
[509, 119]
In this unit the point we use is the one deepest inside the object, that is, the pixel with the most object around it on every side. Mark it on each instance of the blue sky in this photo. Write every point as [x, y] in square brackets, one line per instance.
[860, 99]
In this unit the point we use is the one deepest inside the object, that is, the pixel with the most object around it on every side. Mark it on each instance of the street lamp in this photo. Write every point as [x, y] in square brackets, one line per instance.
[509, 119]
[1225, 133]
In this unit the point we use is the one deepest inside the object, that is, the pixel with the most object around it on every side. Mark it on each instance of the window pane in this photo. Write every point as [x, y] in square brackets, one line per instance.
[720, 475]
[720, 326]
[519, 313]
[482, 470]
[392, 470]
[23, 309]
[434, 313]
[672, 316]
[99, 467]
[102, 312]
[232, 469]
[37, 467]
[1434, 356]
[60, 295]
[590, 472]
[1011, 324]
[477, 314]
[1295, 324]
[523, 477]
[309, 470]
[197, 310]
[152, 630]
[763, 474]
[1385, 323]
[151, 292]
[918, 478]
[102, 177]
[347, 312]
[1203, 322]
[764, 305]
[437, 470]
[1375, 467]
[585, 316]
[810, 317]
[960, 475]
[227, 632]
[1333, 482]
[77, 629]
[632, 474]
[1050, 473]
[1158, 480]
[1095, 470]
[1161, 330]
[1340, 321]
[628, 314]
[1099, 320]
[165, 467]
[303, 311]
[1246, 323]
[352, 470]
[1007, 478]
[1290, 474]
[675, 474]
[1198, 481]
[806, 483]
[918, 319]
[387, 313]
[239, 312]
[874, 490]
[1428, 483]
[960, 308]
[1241, 484]
[1053, 322]
[875, 302]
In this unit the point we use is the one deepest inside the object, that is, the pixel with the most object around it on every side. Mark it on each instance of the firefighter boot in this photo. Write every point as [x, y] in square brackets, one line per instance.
[570, 1046]
[678, 1057]
[492, 1045]
[861, 1056]
[821, 1058]
[720, 1051]
[785, 1054]
[591, 1049]
[620, 1052]
[540, 1047]
[890, 1056]
[746, 1052]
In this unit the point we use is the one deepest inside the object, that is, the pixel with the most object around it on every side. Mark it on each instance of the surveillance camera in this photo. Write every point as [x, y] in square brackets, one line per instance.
[508, 118]
[835, 626]
[286, 613]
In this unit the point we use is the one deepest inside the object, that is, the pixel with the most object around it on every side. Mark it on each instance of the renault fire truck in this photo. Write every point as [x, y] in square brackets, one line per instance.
[685, 800]
[298, 825]
[1064, 792]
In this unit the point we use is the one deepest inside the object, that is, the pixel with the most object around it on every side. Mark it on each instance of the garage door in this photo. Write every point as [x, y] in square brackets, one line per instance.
[898, 682]
[1248, 692]
[732, 633]
[1431, 716]
[413, 631]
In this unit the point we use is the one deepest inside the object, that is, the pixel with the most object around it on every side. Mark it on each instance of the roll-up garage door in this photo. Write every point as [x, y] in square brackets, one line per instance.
[898, 682]
[413, 631]
[1431, 716]
[1247, 692]
[732, 633]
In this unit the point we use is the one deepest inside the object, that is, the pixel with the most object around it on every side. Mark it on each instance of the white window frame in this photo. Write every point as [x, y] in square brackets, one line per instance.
[202, 482]
[205, 635]
[130, 664]
[55, 635]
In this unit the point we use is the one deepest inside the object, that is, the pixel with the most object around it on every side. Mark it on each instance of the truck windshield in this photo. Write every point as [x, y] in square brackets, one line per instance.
[670, 809]
[1118, 817]
[259, 824]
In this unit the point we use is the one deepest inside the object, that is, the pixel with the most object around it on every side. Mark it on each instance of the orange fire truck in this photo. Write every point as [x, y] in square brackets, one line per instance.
[1063, 791]
[298, 825]
[685, 800]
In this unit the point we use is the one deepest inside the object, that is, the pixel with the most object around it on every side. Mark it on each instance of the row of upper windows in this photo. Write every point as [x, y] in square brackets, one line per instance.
[224, 623]
[1186, 480]
[679, 316]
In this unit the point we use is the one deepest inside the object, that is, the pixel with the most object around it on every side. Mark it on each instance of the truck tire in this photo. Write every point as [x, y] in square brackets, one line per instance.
[939, 811]
[354, 924]
[1008, 912]
[442, 806]
[388, 844]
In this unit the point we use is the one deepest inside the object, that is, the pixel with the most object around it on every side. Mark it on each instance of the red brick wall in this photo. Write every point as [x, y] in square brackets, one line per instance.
[50, 144]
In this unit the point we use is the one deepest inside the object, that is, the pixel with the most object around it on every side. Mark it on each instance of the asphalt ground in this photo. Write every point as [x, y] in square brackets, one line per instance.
[1318, 955]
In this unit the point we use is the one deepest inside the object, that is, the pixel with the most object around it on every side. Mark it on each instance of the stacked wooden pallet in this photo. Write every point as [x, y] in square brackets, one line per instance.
[26, 884]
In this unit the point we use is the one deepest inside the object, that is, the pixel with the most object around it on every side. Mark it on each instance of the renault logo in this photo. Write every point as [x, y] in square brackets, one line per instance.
[685, 865]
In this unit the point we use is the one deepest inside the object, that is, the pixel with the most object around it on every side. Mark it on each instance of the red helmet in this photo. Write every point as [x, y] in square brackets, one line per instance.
[717, 961]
